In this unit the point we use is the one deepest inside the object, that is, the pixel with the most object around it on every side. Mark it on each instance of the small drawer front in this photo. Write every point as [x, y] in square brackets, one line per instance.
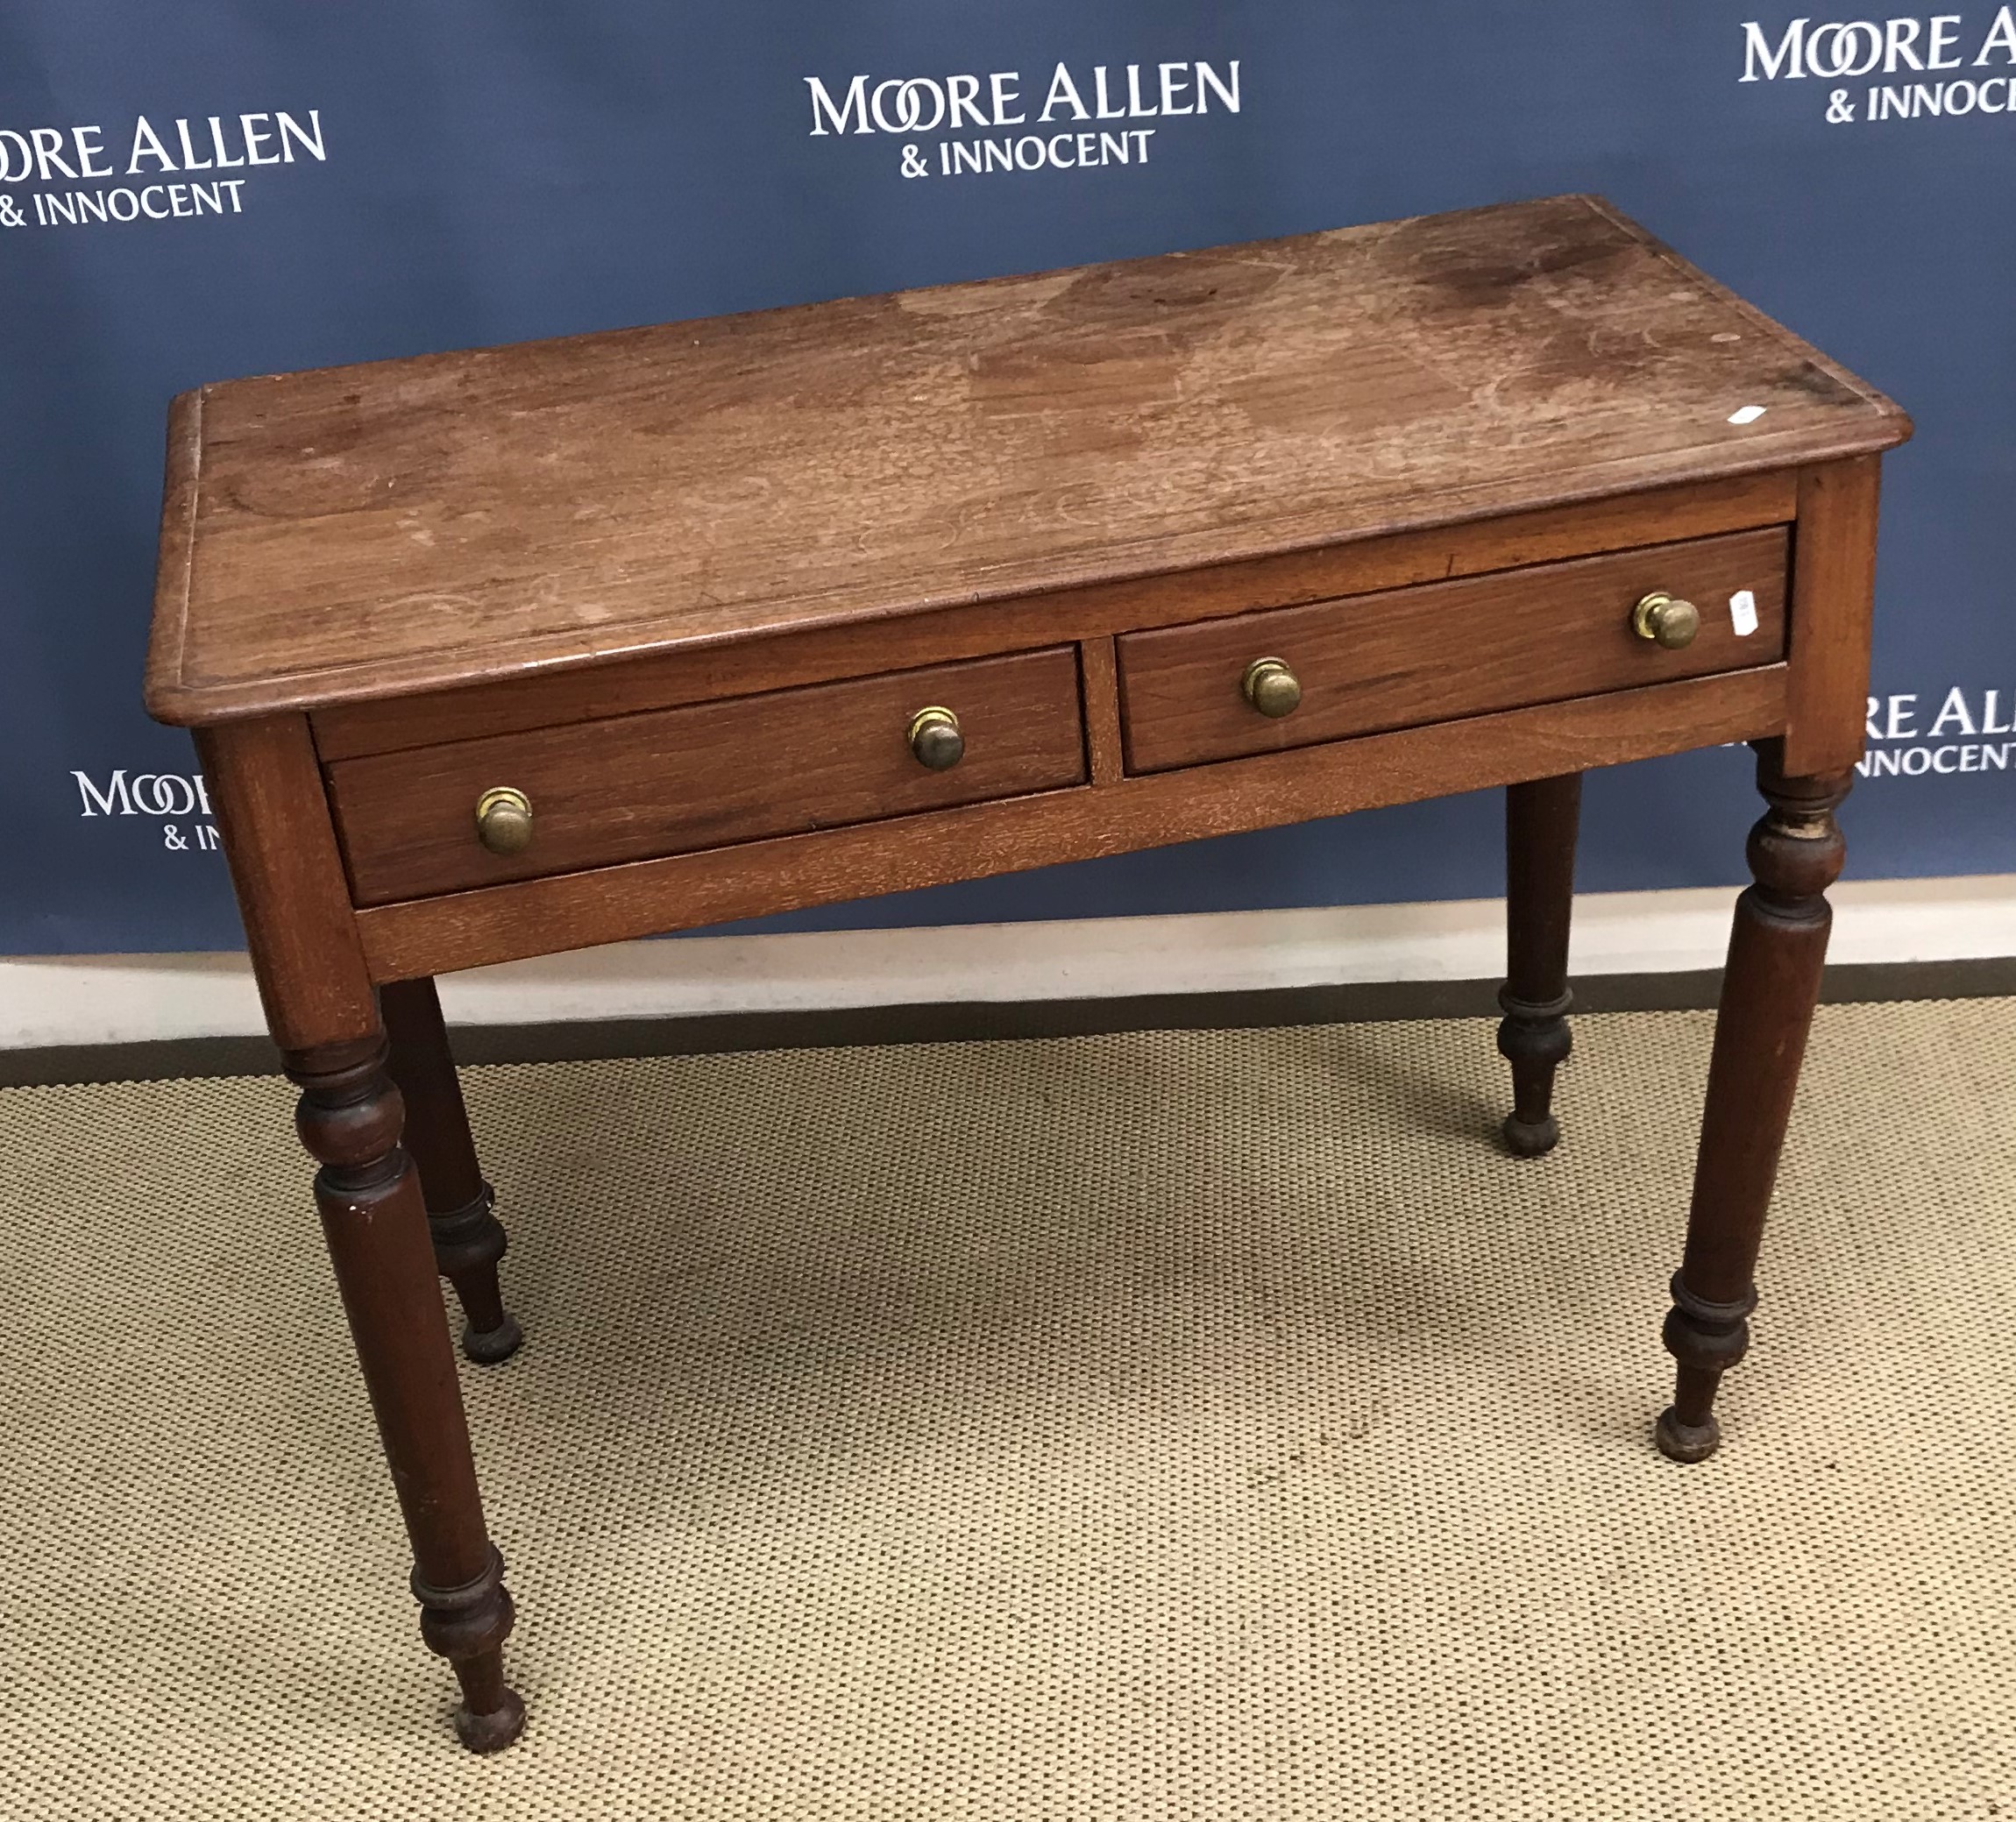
[1408, 656]
[639, 786]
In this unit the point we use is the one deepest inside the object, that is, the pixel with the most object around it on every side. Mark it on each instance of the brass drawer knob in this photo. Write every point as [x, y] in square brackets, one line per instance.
[1271, 687]
[1666, 620]
[504, 820]
[935, 738]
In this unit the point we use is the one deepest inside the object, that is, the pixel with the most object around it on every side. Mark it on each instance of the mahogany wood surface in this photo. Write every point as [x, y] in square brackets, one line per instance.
[469, 1240]
[321, 1008]
[709, 673]
[685, 586]
[1834, 600]
[706, 776]
[1106, 747]
[415, 525]
[268, 794]
[682, 891]
[1443, 650]
[375, 1223]
[1769, 989]
[1541, 817]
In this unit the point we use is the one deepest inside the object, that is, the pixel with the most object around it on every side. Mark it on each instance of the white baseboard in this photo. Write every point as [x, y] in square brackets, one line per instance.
[121, 999]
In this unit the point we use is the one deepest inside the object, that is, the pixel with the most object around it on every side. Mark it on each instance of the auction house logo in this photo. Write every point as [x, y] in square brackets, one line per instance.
[1902, 49]
[962, 126]
[51, 177]
[175, 800]
[1961, 737]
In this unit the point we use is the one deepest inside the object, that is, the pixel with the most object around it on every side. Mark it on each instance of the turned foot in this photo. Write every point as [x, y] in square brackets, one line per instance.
[1540, 823]
[469, 1240]
[1526, 1138]
[1685, 1442]
[1534, 1038]
[1706, 1339]
[375, 1224]
[468, 1625]
[1680, 1442]
[468, 1243]
[491, 1732]
[487, 1347]
[1769, 989]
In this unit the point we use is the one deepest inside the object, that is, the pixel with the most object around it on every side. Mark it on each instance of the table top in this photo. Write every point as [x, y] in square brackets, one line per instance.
[405, 526]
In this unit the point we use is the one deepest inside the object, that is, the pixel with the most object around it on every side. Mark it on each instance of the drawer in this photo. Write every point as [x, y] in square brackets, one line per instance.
[1408, 656]
[634, 787]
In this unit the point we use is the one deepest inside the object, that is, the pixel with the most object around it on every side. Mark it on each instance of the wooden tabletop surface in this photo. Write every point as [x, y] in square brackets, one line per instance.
[407, 525]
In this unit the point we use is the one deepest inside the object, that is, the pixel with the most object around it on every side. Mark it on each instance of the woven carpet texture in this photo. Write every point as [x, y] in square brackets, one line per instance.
[1160, 1425]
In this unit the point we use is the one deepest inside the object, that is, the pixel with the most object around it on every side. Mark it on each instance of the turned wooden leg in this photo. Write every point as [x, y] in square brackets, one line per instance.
[1769, 989]
[469, 1239]
[1540, 819]
[265, 779]
[376, 1226]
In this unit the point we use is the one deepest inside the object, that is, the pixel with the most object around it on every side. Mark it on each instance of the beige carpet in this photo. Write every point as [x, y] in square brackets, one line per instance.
[1164, 1426]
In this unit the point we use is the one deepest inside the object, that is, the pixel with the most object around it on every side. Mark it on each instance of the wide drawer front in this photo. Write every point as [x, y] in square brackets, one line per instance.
[676, 780]
[1406, 656]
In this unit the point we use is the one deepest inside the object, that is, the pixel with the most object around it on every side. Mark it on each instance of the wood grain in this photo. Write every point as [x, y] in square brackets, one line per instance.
[1770, 985]
[505, 923]
[267, 791]
[552, 696]
[419, 524]
[686, 586]
[176, 553]
[1540, 819]
[1444, 650]
[375, 1222]
[469, 1240]
[1833, 606]
[708, 776]
[1104, 746]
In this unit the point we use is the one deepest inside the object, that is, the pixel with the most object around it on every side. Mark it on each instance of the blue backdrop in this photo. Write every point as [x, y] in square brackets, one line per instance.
[197, 192]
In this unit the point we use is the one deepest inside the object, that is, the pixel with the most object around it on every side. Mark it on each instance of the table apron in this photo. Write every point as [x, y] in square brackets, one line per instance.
[606, 904]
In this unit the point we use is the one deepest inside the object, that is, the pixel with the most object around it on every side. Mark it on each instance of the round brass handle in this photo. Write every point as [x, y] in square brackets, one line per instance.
[1666, 620]
[935, 740]
[504, 820]
[1271, 687]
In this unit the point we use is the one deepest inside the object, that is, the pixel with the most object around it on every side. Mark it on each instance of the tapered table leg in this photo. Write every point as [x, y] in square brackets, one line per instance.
[1540, 825]
[469, 1240]
[376, 1227]
[265, 780]
[1769, 989]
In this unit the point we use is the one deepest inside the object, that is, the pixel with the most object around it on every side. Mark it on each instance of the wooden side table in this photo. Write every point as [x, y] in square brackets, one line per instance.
[498, 654]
